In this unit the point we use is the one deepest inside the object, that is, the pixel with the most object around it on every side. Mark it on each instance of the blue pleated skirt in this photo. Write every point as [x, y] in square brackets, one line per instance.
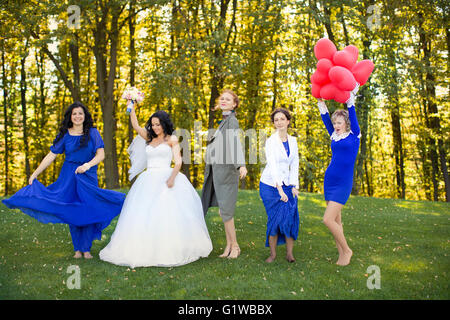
[282, 217]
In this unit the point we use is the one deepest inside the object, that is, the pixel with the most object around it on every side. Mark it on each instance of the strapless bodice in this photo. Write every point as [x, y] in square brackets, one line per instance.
[159, 156]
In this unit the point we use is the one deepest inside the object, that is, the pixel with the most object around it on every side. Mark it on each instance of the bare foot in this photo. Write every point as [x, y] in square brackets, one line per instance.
[87, 255]
[270, 259]
[77, 255]
[226, 252]
[290, 258]
[235, 252]
[344, 259]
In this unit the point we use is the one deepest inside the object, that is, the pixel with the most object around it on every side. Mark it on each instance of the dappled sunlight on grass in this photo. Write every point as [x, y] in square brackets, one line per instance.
[215, 217]
[407, 266]
[411, 251]
[315, 199]
[317, 231]
[314, 217]
[416, 207]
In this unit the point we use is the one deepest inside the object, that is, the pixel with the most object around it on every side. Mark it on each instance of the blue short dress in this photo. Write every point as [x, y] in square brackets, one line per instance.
[73, 199]
[338, 181]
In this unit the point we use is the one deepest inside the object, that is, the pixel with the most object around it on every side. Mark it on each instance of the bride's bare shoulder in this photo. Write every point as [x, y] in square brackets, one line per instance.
[172, 140]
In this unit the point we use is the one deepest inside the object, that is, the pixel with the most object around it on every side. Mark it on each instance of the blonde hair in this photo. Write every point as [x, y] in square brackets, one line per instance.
[344, 114]
[234, 95]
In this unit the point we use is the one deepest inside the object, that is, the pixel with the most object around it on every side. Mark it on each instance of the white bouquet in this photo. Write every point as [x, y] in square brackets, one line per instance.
[132, 95]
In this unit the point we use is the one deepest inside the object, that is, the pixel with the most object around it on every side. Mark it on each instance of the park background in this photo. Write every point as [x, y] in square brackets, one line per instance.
[181, 54]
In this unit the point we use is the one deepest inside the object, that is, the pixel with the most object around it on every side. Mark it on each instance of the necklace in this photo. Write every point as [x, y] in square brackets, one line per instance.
[76, 133]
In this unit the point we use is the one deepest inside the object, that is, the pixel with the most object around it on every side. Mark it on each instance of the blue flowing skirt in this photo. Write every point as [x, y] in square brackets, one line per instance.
[73, 199]
[282, 217]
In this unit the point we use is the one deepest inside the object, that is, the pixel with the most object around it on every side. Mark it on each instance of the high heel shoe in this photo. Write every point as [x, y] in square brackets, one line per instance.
[225, 253]
[235, 252]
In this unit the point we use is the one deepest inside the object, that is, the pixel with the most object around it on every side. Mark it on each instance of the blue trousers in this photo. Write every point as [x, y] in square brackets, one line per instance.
[82, 237]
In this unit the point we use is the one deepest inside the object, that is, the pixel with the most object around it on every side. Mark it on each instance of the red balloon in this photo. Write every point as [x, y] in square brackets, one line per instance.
[328, 91]
[344, 59]
[342, 78]
[324, 65]
[341, 96]
[353, 51]
[324, 48]
[315, 90]
[362, 70]
[320, 78]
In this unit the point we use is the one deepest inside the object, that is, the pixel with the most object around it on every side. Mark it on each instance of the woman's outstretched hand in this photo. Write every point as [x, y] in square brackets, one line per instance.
[32, 177]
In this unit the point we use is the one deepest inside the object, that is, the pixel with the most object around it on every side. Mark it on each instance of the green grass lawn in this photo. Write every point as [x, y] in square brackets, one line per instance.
[408, 240]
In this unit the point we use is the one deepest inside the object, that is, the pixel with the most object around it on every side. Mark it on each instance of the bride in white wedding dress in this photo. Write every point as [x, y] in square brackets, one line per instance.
[161, 222]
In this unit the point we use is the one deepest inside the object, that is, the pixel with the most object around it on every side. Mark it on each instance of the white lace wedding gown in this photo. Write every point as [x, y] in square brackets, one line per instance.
[158, 225]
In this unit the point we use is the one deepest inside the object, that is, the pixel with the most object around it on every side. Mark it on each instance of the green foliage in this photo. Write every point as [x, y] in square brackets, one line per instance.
[185, 51]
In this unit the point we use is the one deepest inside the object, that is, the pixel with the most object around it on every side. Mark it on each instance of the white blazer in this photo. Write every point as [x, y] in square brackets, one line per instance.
[279, 167]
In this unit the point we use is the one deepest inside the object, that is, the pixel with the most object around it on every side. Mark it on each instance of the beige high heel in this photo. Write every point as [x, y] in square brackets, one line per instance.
[235, 252]
[225, 253]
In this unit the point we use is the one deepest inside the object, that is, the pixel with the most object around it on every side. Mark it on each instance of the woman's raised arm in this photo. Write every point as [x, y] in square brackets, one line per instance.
[135, 124]
[325, 116]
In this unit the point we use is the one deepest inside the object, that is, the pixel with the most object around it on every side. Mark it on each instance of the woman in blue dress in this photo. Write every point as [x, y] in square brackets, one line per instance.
[345, 133]
[74, 198]
[278, 187]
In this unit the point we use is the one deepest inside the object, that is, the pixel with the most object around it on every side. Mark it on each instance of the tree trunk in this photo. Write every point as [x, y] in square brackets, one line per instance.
[23, 91]
[105, 82]
[432, 116]
[396, 132]
[327, 21]
[398, 149]
[132, 28]
[6, 120]
[274, 82]
[362, 111]
[74, 53]
[216, 66]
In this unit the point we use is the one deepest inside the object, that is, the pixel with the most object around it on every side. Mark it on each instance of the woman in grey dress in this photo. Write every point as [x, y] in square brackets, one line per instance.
[225, 164]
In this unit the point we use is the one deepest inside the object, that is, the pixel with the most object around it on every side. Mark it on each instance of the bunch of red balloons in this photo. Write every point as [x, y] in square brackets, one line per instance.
[338, 71]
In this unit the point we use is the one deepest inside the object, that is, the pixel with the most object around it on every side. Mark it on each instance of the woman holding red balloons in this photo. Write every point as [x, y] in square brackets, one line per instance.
[338, 77]
[345, 134]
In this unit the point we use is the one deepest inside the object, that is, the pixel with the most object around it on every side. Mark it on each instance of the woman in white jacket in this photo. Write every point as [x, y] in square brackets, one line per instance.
[278, 187]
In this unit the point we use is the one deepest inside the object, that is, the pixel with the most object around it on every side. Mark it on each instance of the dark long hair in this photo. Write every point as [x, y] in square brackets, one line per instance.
[165, 122]
[67, 123]
[284, 111]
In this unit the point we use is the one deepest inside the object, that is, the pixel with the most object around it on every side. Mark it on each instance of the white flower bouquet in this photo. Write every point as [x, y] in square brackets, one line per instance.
[132, 95]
